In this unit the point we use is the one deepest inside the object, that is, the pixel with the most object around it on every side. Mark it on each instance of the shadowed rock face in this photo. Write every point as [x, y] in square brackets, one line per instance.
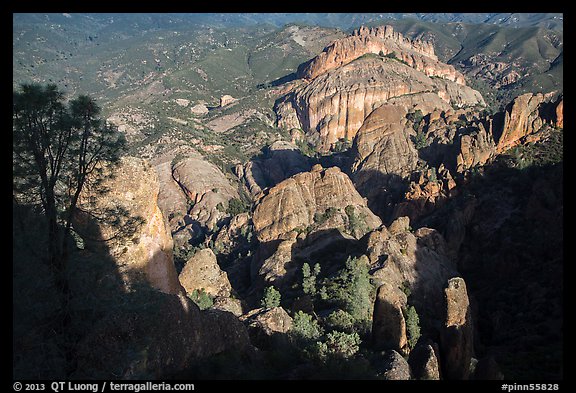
[388, 324]
[283, 160]
[131, 227]
[167, 337]
[417, 262]
[384, 156]
[423, 361]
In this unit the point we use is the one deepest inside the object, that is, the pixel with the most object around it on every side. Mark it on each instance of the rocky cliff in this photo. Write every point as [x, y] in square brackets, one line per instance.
[357, 74]
[120, 216]
[382, 39]
[323, 196]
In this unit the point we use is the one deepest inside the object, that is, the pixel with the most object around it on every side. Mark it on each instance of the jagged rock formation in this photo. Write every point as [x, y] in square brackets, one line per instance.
[308, 198]
[353, 77]
[474, 147]
[427, 191]
[456, 339]
[525, 115]
[233, 234]
[417, 262]
[137, 344]
[418, 54]
[201, 271]
[194, 193]
[281, 161]
[131, 228]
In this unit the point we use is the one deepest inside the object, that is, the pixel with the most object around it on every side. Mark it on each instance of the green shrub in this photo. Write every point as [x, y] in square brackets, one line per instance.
[305, 329]
[236, 206]
[202, 299]
[420, 141]
[338, 345]
[356, 223]
[271, 298]
[309, 278]
[412, 326]
[351, 291]
[340, 320]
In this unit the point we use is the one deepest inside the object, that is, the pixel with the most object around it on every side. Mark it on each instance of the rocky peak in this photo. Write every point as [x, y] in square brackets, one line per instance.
[323, 197]
[379, 40]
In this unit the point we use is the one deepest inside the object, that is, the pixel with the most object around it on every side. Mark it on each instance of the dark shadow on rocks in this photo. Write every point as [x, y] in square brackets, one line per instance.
[120, 326]
[382, 191]
[505, 231]
[273, 166]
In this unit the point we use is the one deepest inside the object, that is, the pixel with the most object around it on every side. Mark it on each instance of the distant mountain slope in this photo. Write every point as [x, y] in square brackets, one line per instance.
[512, 60]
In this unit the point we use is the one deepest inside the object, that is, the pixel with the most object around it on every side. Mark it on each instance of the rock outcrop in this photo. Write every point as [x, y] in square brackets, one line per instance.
[423, 361]
[382, 39]
[333, 106]
[323, 198]
[416, 262]
[388, 324]
[206, 187]
[525, 115]
[131, 228]
[357, 74]
[201, 271]
[474, 147]
[384, 156]
[456, 339]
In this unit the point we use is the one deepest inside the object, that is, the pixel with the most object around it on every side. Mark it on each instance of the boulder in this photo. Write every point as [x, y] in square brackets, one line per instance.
[202, 271]
[392, 366]
[199, 109]
[423, 361]
[267, 326]
[388, 324]
[226, 99]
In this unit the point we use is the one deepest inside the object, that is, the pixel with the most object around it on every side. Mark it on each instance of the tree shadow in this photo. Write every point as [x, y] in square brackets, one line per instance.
[121, 325]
